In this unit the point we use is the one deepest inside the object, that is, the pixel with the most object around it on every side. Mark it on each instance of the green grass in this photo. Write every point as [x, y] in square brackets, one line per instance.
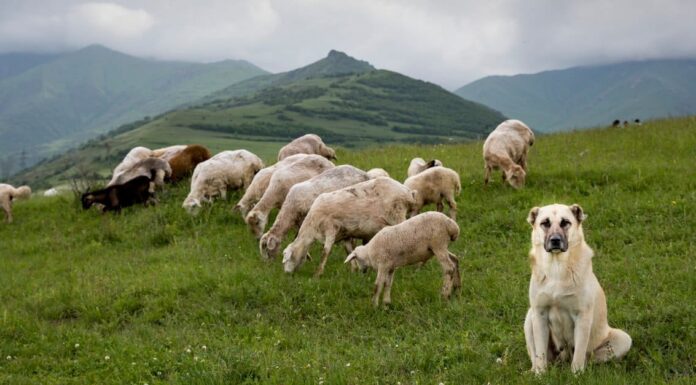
[151, 287]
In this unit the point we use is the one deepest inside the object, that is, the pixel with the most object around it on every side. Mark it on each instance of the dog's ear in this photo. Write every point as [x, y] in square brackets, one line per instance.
[578, 212]
[531, 218]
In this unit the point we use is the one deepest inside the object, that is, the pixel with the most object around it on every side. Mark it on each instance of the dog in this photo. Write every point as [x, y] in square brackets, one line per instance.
[567, 316]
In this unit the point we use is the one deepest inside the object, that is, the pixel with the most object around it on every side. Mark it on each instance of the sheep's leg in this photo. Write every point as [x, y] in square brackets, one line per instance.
[457, 278]
[452, 206]
[448, 271]
[487, 175]
[7, 207]
[328, 244]
[386, 300]
[379, 284]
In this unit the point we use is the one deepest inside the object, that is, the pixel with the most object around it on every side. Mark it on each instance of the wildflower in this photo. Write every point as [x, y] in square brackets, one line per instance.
[77, 346]
[204, 347]
[195, 358]
[348, 365]
[106, 358]
[188, 350]
[9, 357]
[499, 360]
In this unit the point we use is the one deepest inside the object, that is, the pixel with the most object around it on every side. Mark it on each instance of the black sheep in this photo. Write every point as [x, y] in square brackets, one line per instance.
[114, 198]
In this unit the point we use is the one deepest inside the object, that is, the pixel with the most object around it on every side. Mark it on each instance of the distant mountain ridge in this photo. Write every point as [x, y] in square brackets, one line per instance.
[582, 97]
[51, 102]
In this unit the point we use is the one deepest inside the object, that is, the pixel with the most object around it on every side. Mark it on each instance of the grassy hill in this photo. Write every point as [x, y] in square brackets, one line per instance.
[48, 106]
[584, 97]
[154, 296]
[345, 109]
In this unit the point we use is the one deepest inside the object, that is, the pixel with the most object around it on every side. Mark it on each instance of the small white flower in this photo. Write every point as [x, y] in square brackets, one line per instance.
[132, 363]
[499, 360]
[413, 372]
[204, 347]
[9, 357]
[188, 350]
[442, 383]
[195, 358]
[159, 373]
[348, 365]
[154, 358]
[77, 346]
[106, 358]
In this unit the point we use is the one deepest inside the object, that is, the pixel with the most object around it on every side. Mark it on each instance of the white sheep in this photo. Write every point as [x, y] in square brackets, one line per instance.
[410, 242]
[307, 144]
[134, 155]
[358, 211]
[506, 149]
[158, 170]
[300, 199]
[419, 165]
[8, 194]
[282, 180]
[215, 176]
[377, 172]
[433, 185]
[167, 153]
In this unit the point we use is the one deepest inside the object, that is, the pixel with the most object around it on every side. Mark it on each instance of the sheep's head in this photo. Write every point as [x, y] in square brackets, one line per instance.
[330, 153]
[515, 175]
[293, 258]
[359, 256]
[415, 203]
[87, 200]
[192, 206]
[269, 245]
[22, 192]
[256, 222]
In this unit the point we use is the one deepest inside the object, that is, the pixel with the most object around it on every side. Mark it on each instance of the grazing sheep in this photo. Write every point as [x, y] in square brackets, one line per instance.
[357, 211]
[226, 170]
[616, 123]
[167, 153]
[116, 197]
[419, 165]
[506, 149]
[8, 194]
[300, 199]
[307, 144]
[260, 183]
[281, 181]
[186, 161]
[412, 241]
[637, 122]
[154, 168]
[377, 172]
[432, 186]
[134, 156]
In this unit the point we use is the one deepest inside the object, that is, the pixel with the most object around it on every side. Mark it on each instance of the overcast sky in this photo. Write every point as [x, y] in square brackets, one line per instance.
[447, 42]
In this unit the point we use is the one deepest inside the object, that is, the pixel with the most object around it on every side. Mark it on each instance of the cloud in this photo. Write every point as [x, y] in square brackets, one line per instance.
[109, 19]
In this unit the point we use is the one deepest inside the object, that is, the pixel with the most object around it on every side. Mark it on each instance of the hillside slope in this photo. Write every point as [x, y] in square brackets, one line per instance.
[73, 97]
[591, 96]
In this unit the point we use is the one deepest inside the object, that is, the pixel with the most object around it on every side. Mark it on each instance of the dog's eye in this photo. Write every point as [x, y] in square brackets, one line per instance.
[546, 223]
[565, 222]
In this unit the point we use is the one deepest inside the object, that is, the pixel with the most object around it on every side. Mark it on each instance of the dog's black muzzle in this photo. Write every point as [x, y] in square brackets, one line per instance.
[556, 243]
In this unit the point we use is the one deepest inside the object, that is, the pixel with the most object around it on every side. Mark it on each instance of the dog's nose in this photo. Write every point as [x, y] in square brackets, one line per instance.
[556, 241]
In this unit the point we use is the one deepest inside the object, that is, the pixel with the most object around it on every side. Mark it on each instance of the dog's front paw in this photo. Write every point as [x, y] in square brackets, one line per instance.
[577, 367]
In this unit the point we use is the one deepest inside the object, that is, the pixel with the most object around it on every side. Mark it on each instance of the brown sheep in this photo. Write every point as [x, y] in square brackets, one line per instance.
[186, 161]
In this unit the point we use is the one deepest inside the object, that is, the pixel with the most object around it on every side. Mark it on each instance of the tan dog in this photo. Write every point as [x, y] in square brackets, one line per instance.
[568, 310]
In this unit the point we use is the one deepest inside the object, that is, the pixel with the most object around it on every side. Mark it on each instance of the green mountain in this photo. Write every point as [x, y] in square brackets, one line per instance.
[344, 100]
[591, 96]
[51, 102]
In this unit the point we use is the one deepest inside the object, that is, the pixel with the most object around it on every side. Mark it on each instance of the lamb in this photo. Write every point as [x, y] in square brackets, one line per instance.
[156, 169]
[506, 148]
[357, 211]
[418, 165]
[8, 194]
[186, 161]
[226, 170]
[135, 155]
[307, 144]
[167, 153]
[116, 197]
[432, 186]
[377, 172]
[300, 199]
[282, 180]
[407, 243]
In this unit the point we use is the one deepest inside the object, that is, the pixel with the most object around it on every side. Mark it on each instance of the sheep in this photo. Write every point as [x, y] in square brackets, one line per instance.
[410, 242]
[260, 183]
[307, 144]
[418, 165]
[226, 170]
[156, 169]
[377, 172]
[167, 153]
[135, 155]
[357, 211]
[114, 198]
[300, 199]
[8, 194]
[432, 186]
[282, 180]
[186, 161]
[506, 149]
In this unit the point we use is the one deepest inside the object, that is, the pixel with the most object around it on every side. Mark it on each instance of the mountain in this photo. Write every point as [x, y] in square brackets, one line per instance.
[49, 103]
[345, 101]
[591, 96]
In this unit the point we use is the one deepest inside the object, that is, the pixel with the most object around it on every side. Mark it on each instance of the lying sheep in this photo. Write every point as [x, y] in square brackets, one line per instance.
[506, 149]
[432, 186]
[307, 144]
[116, 197]
[8, 194]
[284, 177]
[156, 169]
[358, 211]
[300, 199]
[407, 243]
[259, 185]
[134, 156]
[167, 153]
[186, 161]
[226, 170]
[377, 172]
[419, 165]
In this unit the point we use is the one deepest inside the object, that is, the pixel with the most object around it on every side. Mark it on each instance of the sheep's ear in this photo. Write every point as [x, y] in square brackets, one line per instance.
[531, 218]
[578, 212]
[271, 243]
[350, 257]
[432, 163]
[414, 196]
[286, 257]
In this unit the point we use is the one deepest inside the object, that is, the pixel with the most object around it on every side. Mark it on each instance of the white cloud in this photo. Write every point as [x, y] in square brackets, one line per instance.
[109, 19]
